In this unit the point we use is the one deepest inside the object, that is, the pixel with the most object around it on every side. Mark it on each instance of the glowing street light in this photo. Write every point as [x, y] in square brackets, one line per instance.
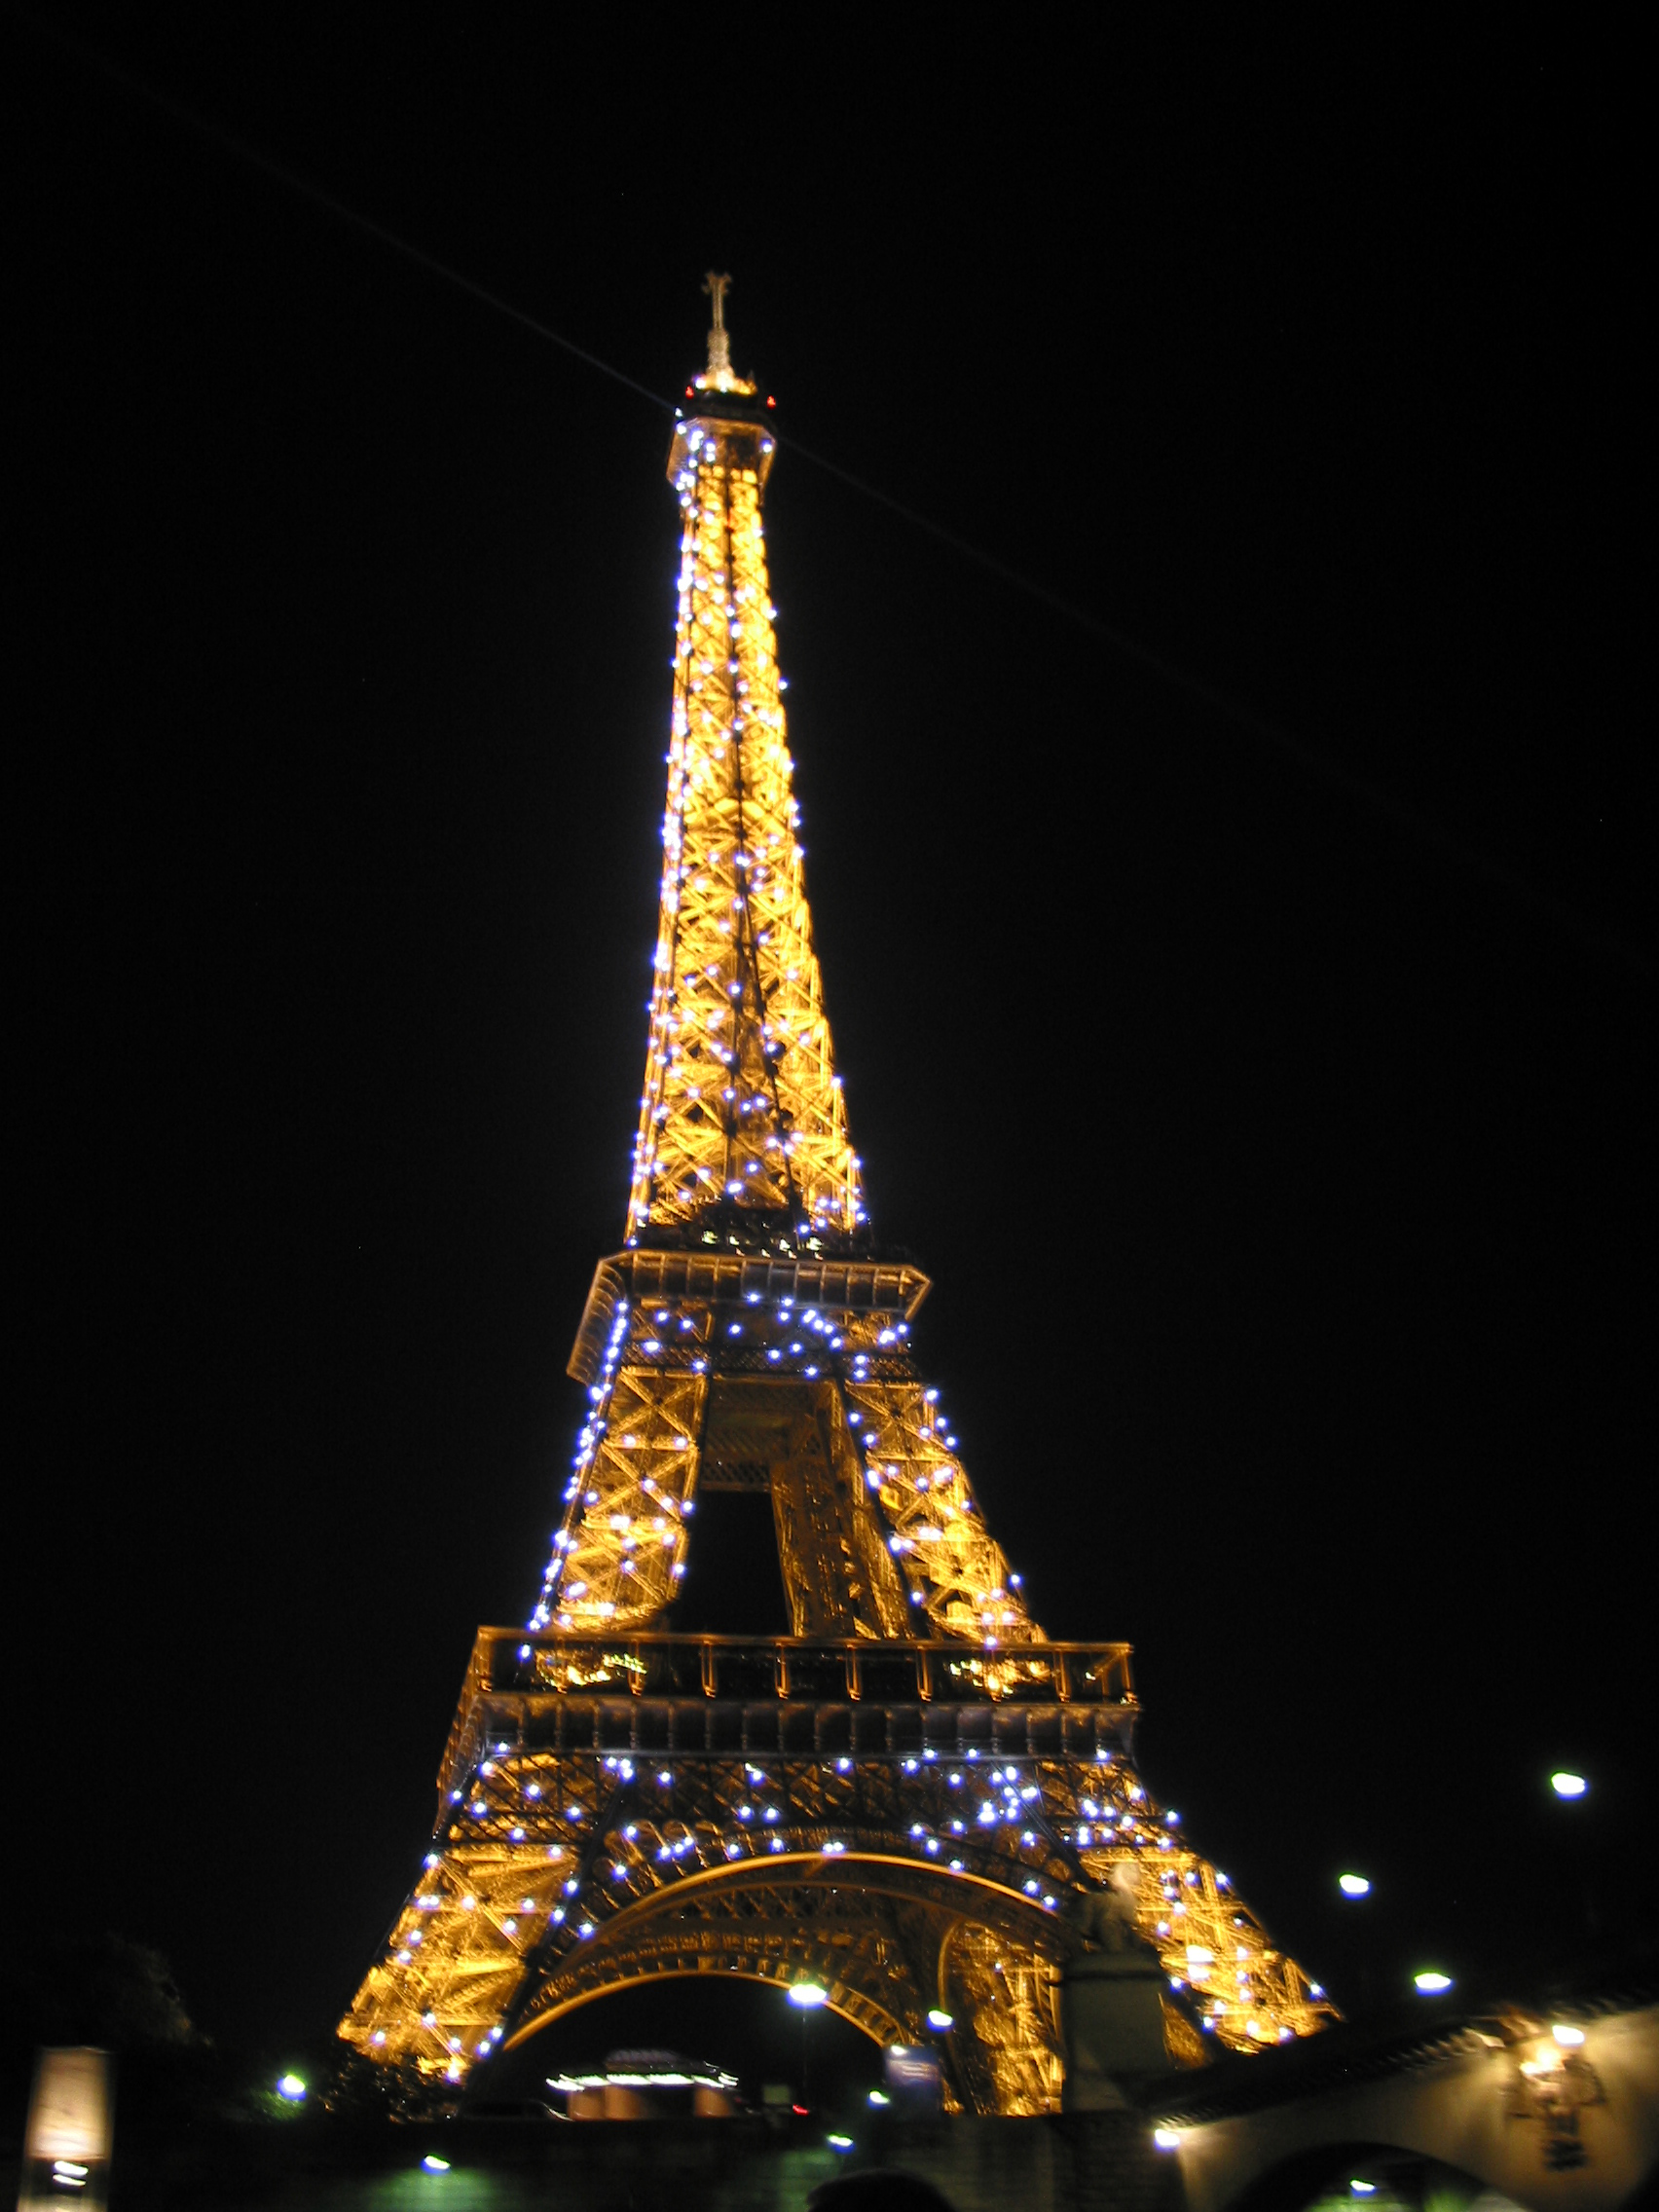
[1570, 1784]
[1363, 2187]
[1353, 1885]
[434, 2165]
[940, 2020]
[807, 1997]
[879, 2097]
[1166, 2138]
[1569, 2039]
[291, 2089]
[1432, 1981]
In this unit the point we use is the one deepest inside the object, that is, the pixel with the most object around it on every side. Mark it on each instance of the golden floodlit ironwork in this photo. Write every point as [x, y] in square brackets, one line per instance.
[916, 1798]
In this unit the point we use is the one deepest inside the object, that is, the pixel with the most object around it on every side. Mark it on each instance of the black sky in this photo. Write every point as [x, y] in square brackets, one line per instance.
[1283, 1160]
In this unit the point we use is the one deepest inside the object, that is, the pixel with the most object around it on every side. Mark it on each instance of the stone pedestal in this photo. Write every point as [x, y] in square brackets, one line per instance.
[1111, 2027]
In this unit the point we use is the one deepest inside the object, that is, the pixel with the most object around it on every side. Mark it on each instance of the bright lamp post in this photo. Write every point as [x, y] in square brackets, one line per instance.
[808, 1996]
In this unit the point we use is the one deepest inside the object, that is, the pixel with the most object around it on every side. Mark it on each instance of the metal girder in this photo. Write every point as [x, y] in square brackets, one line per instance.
[557, 1876]
[741, 1100]
[918, 1800]
[880, 1530]
[887, 1940]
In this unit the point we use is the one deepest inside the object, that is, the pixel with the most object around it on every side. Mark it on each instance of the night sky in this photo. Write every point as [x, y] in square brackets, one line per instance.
[1250, 1028]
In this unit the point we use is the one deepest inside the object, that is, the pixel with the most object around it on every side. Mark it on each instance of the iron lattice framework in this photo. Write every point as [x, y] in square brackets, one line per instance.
[911, 1799]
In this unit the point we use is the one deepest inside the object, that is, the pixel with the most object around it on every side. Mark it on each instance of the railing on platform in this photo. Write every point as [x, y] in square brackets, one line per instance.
[787, 1667]
[721, 1694]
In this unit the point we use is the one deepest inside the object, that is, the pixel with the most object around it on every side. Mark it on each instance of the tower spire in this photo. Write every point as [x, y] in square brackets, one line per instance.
[720, 376]
[742, 1125]
[719, 344]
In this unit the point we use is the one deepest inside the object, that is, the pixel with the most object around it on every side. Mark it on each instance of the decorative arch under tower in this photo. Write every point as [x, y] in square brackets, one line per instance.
[915, 1797]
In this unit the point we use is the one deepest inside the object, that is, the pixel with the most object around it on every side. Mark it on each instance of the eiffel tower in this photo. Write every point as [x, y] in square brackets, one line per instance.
[915, 1798]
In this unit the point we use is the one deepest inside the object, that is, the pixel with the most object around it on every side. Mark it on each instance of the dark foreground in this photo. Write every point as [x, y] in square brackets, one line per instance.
[1079, 2163]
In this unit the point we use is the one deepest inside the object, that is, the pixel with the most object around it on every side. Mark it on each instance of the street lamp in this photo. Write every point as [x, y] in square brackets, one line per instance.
[1570, 1786]
[1353, 1885]
[808, 1996]
[1431, 1982]
[942, 2021]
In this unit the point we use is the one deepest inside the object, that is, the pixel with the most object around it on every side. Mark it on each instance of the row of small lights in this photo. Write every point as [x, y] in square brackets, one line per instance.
[1016, 1801]
[1433, 1981]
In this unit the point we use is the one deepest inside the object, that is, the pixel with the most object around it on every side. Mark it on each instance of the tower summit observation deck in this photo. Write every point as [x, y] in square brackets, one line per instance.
[914, 1798]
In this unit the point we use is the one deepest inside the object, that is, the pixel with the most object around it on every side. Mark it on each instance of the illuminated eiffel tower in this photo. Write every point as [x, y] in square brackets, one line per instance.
[912, 1797]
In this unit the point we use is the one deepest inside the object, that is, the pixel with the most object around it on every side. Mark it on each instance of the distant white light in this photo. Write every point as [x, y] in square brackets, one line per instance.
[940, 2020]
[291, 2087]
[1570, 2038]
[839, 2142]
[1353, 1885]
[879, 2097]
[1363, 2187]
[1166, 2138]
[1568, 1785]
[1432, 1982]
[808, 1995]
[434, 2165]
